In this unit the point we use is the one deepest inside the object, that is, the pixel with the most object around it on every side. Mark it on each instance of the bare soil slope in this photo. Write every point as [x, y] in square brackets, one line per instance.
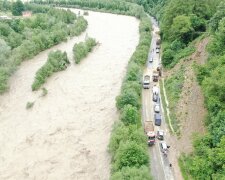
[65, 135]
[190, 108]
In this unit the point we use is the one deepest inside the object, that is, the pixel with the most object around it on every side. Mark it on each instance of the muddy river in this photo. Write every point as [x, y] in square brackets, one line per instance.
[65, 134]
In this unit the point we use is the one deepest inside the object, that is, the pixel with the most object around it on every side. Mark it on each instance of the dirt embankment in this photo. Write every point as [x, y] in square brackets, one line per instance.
[190, 108]
[65, 135]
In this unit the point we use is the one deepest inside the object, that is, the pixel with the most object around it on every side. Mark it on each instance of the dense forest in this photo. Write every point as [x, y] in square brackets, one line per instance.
[23, 38]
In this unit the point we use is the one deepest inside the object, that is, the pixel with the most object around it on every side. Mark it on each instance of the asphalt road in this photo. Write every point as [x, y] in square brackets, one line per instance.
[159, 164]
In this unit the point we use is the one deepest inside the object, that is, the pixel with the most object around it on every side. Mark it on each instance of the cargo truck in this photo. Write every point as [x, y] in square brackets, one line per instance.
[146, 82]
[149, 130]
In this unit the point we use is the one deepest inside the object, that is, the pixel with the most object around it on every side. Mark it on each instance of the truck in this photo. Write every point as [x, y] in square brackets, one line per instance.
[158, 41]
[159, 69]
[155, 76]
[146, 81]
[149, 130]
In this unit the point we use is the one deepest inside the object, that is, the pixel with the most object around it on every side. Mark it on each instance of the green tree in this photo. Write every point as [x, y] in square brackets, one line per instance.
[132, 173]
[130, 154]
[17, 8]
[167, 57]
[130, 115]
[181, 29]
[127, 97]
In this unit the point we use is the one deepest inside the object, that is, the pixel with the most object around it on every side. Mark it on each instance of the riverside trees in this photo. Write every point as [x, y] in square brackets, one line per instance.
[25, 38]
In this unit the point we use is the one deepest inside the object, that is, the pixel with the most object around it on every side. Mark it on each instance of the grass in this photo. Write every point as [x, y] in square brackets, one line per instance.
[173, 86]
[182, 54]
[29, 105]
[163, 102]
[183, 162]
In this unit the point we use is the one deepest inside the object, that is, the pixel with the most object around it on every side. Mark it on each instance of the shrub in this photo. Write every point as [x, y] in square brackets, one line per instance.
[29, 105]
[130, 115]
[128, 97]
[57, 61]
[130, 154]
[44, 92]
[82, 49]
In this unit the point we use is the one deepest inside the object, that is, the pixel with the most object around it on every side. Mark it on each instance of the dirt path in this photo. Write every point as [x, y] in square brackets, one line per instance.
[65, 135]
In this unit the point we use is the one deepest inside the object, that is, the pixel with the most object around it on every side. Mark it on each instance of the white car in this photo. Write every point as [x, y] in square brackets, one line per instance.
[157, 108]
[163, 147]
[151, 60]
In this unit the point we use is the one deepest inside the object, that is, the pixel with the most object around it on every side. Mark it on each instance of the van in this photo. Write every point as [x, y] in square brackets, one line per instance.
[158, 119]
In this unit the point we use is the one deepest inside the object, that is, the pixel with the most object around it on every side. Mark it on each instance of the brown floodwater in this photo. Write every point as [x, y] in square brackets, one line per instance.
[66, 133]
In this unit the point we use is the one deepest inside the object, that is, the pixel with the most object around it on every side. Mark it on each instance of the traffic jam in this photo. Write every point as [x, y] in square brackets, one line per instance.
[156, 120]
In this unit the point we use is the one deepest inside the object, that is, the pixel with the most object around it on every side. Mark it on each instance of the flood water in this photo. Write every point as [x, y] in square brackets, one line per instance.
[66, 133]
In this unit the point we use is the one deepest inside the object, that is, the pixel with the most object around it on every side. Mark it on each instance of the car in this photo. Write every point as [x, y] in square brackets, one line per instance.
[158, 119]
[151, 60]
[160, 134]
[155, 97]
[163, 147]
[157, 108]
[157, 50]
[155, 90]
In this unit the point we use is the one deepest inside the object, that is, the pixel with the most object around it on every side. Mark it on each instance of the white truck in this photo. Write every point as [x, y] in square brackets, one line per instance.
[146, 81]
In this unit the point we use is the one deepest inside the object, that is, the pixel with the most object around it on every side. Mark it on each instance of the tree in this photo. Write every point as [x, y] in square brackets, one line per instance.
[130, 154]
[167, 57]
[17, 8]
[132, 173]
[220, 13]
[130, 115]
[181, 29]
[4, 52]
[127, 97]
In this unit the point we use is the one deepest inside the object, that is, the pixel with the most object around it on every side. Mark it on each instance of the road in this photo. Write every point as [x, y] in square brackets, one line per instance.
[160, 165]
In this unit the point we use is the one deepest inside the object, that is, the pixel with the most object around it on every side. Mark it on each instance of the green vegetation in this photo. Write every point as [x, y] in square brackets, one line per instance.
[57, 61]
[17, 8]
[115, 6]
[29, 105]
[44, 92]
[132, 173]
[181, 22]
[174, 85]
[22, 39]
[183, 161]
[82, 49]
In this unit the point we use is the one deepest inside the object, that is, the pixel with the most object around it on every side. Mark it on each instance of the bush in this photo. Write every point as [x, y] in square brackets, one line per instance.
[130, 115]
[29, 105]
[130, 154]
[133, 173]
[128, 97]
[82, 49]
[57, 61]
